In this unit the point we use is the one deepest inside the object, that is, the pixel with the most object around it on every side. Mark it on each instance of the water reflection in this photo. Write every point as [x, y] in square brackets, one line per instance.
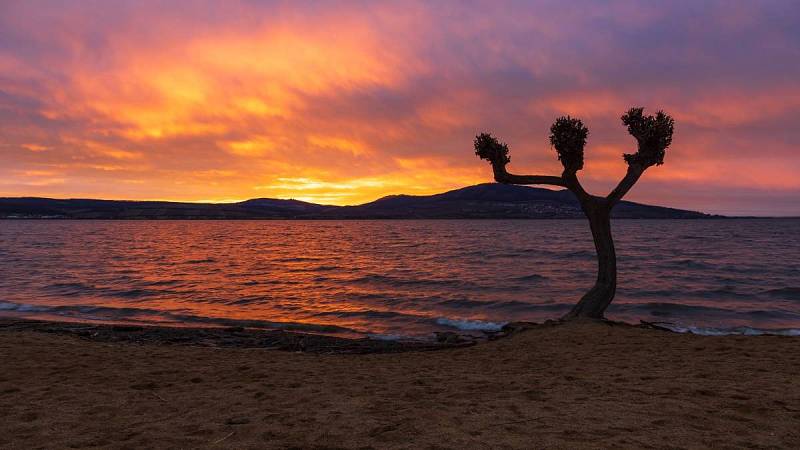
[395, 277]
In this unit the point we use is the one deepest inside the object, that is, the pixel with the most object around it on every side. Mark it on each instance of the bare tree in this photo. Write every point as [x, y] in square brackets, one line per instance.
[568, 136]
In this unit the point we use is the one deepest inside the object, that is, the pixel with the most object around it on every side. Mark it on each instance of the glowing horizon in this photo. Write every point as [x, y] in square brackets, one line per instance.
[343, 104]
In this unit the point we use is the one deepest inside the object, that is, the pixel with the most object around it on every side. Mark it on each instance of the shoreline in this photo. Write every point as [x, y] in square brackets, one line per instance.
[296, 340]
[236, 337]
[328, 339]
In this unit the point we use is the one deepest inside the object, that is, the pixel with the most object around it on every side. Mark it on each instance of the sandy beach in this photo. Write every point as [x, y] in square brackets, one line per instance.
[568, 386]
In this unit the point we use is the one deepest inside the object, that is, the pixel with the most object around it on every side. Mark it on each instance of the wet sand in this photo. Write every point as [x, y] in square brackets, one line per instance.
[567, 386]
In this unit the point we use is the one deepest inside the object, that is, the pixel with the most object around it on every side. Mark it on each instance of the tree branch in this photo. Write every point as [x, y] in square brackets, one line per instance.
[568, 180]
[502, 176]
[631, 177]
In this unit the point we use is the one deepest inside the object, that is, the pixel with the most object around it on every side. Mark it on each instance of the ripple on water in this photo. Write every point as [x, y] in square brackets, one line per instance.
[397, 278]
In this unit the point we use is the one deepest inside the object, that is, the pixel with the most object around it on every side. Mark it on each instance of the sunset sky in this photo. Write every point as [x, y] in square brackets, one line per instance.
[345, 102]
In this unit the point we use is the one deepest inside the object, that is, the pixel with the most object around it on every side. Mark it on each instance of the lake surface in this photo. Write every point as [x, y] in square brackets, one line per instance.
[398, 278]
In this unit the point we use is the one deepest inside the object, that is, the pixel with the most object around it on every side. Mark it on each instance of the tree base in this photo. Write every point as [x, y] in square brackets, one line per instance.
[594, 303]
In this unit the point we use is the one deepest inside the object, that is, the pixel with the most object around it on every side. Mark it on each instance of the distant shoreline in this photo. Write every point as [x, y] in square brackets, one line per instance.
[483, 201]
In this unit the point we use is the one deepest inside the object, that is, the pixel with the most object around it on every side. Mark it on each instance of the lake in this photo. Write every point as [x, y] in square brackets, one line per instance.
[398, 278]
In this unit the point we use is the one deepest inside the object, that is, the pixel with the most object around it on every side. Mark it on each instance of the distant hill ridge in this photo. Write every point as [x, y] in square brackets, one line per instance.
[482, 201]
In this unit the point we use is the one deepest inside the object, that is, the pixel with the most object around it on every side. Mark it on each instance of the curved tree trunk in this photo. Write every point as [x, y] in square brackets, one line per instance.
[595, 302]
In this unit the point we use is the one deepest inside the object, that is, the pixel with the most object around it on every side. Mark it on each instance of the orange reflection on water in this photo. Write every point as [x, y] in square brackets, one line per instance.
[390, 277]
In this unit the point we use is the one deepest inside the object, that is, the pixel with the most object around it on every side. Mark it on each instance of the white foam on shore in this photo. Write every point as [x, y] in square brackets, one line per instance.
[471, 325]
[740, 331]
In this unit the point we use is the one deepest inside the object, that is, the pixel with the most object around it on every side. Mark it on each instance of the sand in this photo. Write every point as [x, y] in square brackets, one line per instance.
[569, 386]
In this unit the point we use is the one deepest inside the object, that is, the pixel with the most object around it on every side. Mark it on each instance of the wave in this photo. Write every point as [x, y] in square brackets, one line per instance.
[741, 331]
[694, 237]
[162, 283]
[395, 281]
[531, 277]
[153, 316]
[323, 268]
[668, 309]
[133, 293]
[293, 259]
[664, 308]
[517, 305]
[722, 292]
[689, 264]
[512, 307]
[371, 314]
[246, 300]
[462, 303]
[577, 254]
[80, 289]
[470, 325]
[200, 261]
[787, 293]
[69, 289]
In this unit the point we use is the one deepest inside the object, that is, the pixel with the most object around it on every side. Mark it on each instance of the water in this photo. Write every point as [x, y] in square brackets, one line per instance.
[398, 278]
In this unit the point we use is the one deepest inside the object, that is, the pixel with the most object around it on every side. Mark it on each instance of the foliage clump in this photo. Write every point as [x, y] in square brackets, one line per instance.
[568, 136]
[489, 148]
[653, 133]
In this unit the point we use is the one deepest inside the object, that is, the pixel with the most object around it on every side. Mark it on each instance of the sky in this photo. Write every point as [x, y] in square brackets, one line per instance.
[345, 102]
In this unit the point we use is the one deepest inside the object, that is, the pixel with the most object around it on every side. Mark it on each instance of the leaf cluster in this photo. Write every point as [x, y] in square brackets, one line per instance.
[568, 136]
[653, 133]
[489, 148]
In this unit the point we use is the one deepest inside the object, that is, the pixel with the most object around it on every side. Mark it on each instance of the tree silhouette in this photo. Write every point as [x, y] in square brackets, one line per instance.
[568, 136]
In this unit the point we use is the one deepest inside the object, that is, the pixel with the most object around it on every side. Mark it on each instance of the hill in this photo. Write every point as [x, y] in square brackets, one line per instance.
[483, 201]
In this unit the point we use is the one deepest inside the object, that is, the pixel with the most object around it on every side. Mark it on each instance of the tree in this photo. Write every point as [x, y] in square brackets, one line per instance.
[568, 136]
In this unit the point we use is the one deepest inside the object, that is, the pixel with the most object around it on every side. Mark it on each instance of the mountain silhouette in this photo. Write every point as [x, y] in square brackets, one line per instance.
[483, 201]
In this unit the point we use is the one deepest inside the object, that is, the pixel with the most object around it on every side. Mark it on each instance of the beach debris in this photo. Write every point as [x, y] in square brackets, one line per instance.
[449, 337]
[656, 326]
[515, 327]
[127, 328]
[223, 438]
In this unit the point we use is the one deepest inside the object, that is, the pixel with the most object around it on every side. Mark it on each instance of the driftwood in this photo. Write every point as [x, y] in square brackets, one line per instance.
[655, 326]
[223, 438]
